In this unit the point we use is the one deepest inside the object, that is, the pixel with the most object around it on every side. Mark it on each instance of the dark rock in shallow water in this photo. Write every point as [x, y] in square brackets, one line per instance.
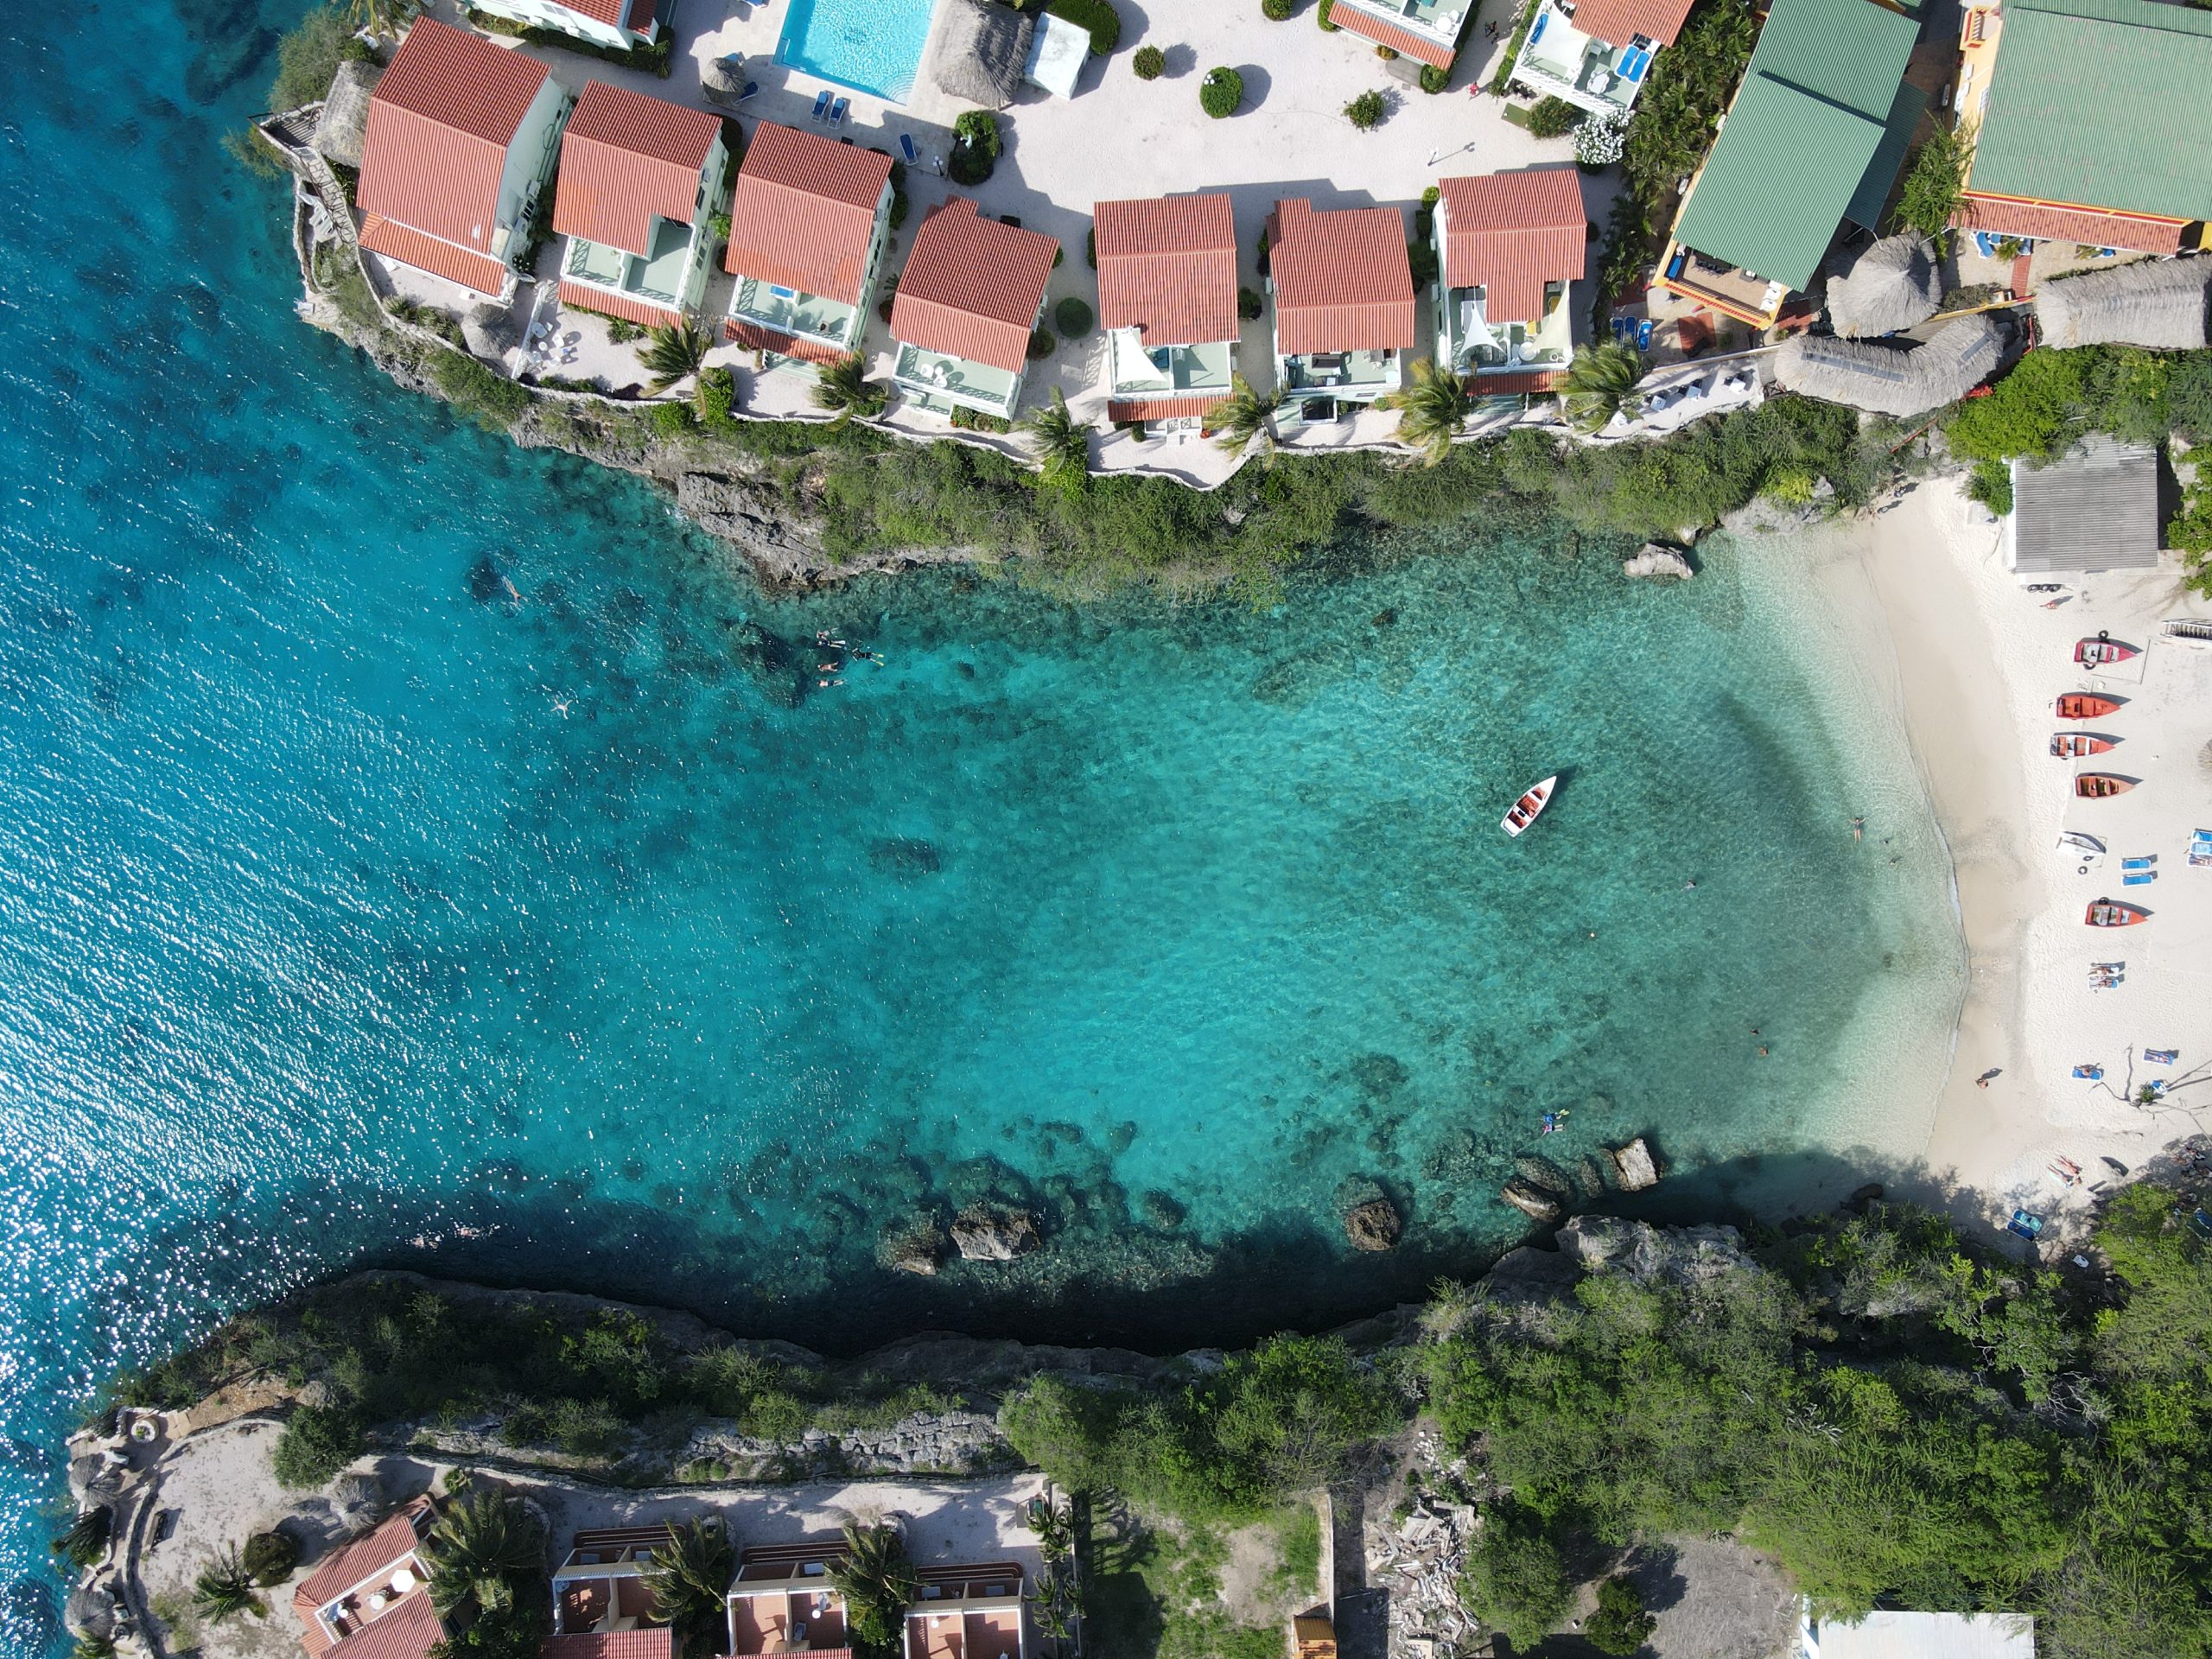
[996, 1235]
[487, 582]
[1161, 1209]
[1386, 619]
[917, 1249]
[1863, 1196]
[1532, 1200]
[1374, 1225]
[903, 856]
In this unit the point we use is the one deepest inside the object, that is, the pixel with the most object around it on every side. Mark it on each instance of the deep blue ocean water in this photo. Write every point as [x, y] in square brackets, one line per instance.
[345, 917]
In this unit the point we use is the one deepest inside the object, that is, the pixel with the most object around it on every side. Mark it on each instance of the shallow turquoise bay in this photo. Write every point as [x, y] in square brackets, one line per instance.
[579, 939]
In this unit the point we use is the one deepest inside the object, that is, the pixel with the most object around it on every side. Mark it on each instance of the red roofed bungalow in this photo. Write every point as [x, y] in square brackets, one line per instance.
[372, 1599]
[603, 1589]
[782, 1602]
[1595, 54]
[639, 179]
[621, 24]
[968, 1612]
[970, 298]
[1427, 31]
[1167, 301]
[1508, 246]
[1344, 301]
[460, 137]
[807, 230]
[658, 1643]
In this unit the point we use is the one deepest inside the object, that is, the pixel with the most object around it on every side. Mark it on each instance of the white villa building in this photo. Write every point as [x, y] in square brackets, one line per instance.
[1345, 316]
[1595, 54]
[641, 178]
[968, 302]
[1167, 301]
[1427, 31]
[1508, 248]
[808, 225]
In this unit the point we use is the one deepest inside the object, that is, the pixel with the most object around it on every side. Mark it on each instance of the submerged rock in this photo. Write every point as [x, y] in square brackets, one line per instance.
[1633, 1167]
[916, 1250]
[1374, 1225]
[1657, 559]
[982, 1234]
[1532, 1200]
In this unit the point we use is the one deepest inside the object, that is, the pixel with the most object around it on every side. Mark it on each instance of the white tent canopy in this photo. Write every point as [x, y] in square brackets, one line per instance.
[1056, 54]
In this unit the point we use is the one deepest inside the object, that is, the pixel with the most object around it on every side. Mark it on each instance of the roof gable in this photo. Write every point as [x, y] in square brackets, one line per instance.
[2101, 104]
[1167, 266]
[440, 122]
[1619, 22]
[972, 286]
[1512, 234]
[383, 1547]
[1798, 144]
[627, 160]
[804, 213]
[1342, 280]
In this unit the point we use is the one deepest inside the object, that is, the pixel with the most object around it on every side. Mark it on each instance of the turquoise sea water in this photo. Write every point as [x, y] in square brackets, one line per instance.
[347, 917]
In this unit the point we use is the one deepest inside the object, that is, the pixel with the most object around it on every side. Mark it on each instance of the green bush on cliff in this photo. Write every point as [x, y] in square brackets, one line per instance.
[316, 1446]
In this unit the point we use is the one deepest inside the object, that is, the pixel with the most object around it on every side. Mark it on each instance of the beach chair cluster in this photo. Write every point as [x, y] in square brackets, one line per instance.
[1633, 331]
[830, 110]
[2200, 848]
[2138, 872]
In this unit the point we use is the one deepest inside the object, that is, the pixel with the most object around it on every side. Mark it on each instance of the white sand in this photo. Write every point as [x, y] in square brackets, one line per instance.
[1978, 662]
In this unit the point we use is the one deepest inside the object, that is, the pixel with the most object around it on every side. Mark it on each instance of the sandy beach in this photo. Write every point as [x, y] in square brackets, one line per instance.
[1976, 663]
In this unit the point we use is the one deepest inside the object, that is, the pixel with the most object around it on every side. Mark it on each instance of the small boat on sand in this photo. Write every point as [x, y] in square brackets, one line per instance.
[1529, 807]
[2110, 912]
[2081, 842]
[2072, 745]
[2102, 786]
[2086, 705]
[2104, 650]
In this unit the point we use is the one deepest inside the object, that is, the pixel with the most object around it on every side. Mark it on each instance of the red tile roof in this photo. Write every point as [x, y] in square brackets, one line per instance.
[1163, 408]
[1489, 386]
[1619, 22]
[1342, 280]
[408, 1629]
[412, 247]
[1167, 266]
[657, 1644]
[783, 345]
[642, 13]
[1510, 233]
[2091, 226]
[627, 160]
[634, 15]
[1403, 42]
[440, 123]
[366, 1557]
[804, 212]
[588, 298]
[972, 287]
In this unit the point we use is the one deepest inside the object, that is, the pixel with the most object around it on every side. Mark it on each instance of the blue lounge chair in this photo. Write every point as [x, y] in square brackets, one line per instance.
[2140, 879]
[2161, 1055]
[821, 104]
[837, 111]
[1643, 335]
[906, 148]
[751, 88]
[2092, 1073]
[2142, 863]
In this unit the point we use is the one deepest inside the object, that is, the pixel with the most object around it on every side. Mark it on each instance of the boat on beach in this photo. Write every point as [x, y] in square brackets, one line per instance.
[1526, 810]
[2110, 912]
[2102, 786]
[2104, 650]
[2086, 705]
[2072, 745]
[2079, 841]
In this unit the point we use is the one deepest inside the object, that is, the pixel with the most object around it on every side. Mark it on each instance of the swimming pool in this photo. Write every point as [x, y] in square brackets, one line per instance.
[872, 45]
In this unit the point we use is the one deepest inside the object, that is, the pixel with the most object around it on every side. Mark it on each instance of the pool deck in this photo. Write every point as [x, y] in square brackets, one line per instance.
[1119, 136]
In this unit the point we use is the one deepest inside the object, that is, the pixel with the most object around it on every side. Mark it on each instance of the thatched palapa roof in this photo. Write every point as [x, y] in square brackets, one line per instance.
[344, 118]
[1892, 284]
[2156, 302]
[982, 51]
[1890, 380]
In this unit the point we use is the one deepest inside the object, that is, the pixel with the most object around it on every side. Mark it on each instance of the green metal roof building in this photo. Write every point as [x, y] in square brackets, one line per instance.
[1816, 135]
[2101, 104]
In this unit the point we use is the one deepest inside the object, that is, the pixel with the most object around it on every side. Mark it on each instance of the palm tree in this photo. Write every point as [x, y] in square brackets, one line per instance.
[878, 1583]
[481, 1544]
[380, 17]
[1431, 410]
[1601, 382]
[690, 1574]
[225, 1588]
[845, 389]
[673, 352]
[1239, 422]
[1063, 443]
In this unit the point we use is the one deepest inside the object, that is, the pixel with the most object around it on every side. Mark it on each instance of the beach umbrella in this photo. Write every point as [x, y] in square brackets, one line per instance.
[1892, 284]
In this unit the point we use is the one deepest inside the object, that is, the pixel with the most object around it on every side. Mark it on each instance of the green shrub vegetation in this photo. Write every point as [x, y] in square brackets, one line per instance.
[1220, 92]
[269, 1557]
[1097, 15]
[1935, 185]
[1071, 316]
[224, 1589]
[316, 1446]
[1433, 80]
[1621, 1623]
[1277, 11]
[1321, 16]
[1554, 118]
[1150, 63]
[1366, 112]
[977, 146]
[487, 397]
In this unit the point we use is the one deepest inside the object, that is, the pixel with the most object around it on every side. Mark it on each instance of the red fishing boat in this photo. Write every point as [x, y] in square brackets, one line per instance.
[2072, 745]
[2103, 652]
[2102, 786]
[2110, 912]
[2086, 705]
[1525, 811]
